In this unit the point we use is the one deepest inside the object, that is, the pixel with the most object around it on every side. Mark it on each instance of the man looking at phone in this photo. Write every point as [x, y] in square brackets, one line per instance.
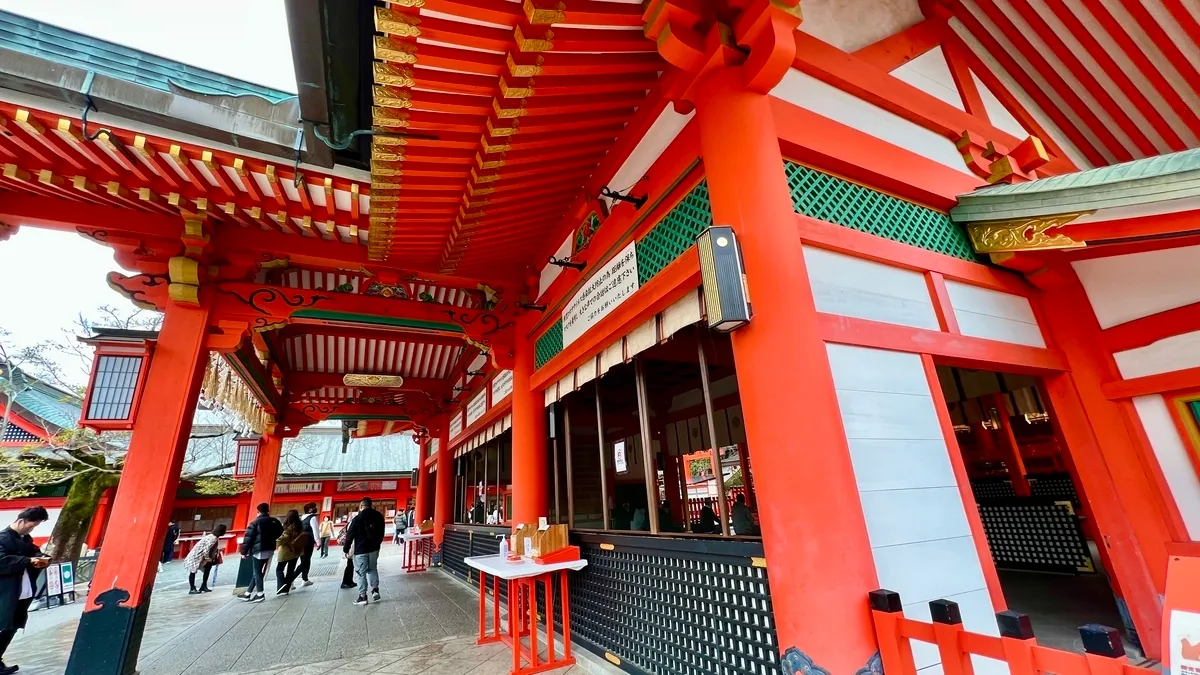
[20, 561]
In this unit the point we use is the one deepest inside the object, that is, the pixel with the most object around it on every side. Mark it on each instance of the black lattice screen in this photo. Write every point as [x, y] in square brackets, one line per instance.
[992, 488]
[1057, 486]
[675, 606]
[1035, 533]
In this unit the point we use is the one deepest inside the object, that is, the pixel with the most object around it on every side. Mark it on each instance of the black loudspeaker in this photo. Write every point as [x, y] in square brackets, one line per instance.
[552, 420]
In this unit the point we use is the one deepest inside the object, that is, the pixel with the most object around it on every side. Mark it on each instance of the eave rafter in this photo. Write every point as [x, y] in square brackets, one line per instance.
[524, 100]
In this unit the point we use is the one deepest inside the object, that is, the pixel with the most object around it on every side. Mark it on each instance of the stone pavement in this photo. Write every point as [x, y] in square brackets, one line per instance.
[423, 624]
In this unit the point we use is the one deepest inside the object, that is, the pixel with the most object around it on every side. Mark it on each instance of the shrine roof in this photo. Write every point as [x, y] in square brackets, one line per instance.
[37, 38]
[495, 122]
[48, 404]
[1139, 183]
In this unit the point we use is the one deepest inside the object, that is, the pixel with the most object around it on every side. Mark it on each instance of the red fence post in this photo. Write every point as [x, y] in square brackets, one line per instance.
[894, 649]
[1105, 653]
[1016, 638]
[947, 627]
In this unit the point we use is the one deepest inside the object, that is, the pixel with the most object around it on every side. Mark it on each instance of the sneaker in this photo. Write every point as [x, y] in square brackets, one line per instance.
[193, 592]
[246, 597]
[307, 583]
[259, 597]
[362, 600]
[8, 670]
[205, 589]
[283, 590]
[349, 586]
[375, 594]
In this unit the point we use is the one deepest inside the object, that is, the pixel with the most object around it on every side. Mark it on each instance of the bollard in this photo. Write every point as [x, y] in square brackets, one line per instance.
[1105, 653]
[895, 652]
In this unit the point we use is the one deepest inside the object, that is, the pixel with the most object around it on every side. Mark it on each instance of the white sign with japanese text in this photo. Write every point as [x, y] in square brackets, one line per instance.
[1185, 642]
[456, 425]
[502, 385]
[619, 457]
[476, 407]
[611, 285]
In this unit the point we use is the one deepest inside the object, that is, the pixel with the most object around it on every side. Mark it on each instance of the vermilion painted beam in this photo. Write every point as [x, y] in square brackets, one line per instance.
[1180, 223]
[896, 50]
[835, 67]
[1163, 383]
[1149, 329]
[441, 56]
[298, 383]
[960, 71]
[962, 350]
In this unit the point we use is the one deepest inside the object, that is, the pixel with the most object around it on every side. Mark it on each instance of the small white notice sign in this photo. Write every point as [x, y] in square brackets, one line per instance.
[476, 407]
[502, 385]
[619, 457]
[611, 285]
[1185, 642]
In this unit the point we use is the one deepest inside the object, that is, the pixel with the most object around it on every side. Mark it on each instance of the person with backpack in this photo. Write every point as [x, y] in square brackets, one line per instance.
[348, 573]
[288, 549]
[259, 544]
[365, 534]
[311, 529]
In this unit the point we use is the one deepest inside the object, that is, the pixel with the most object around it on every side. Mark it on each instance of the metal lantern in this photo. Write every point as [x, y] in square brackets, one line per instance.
[245, 463]
[724, 277]
[119, 367]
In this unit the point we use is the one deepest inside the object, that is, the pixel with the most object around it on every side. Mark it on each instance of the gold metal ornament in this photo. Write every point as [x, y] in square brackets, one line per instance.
[365, 380]
[1026, 234]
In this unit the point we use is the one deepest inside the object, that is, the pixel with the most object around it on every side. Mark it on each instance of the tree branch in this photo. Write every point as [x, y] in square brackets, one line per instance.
[201, 472]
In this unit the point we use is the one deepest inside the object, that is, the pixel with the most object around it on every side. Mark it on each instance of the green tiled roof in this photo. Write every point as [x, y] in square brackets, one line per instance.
[48, 404]
[27, 36]
[1141, 181]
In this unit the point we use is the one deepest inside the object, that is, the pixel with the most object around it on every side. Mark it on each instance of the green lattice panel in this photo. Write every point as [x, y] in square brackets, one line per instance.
[549, 344]
[674, 234]
[834, 200]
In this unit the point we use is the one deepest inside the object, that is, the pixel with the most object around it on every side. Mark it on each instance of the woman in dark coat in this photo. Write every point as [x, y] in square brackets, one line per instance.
[20, 561]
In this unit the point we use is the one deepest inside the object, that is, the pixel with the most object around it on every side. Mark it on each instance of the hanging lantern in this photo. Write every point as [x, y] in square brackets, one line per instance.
[119, 366]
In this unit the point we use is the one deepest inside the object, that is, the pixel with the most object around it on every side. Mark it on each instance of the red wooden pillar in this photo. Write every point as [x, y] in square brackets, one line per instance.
[99, 522]
[747, 479]
[424, 502]
[241, 513]
[529, 456]
[443, 501]
[1010, 447]
[266, 471]
[110, 630]
[807, 494]
[670, 471]
[1127, 508]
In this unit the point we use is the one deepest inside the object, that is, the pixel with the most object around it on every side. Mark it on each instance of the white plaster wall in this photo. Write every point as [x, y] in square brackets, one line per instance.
[864, 289]
[853, 24]
[1171, 451]
[7, 516]
[997, 113]
[812, 94]
[992, 315]
[929, 73]
[916, 521]
[1169, 354]
[1126, 287]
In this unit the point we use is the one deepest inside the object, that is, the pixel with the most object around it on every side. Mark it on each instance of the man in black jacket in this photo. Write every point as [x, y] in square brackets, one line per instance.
[366, 536]
[259, 544]
[20, 561]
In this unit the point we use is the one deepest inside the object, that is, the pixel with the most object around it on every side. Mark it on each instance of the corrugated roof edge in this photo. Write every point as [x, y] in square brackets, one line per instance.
[44, 40]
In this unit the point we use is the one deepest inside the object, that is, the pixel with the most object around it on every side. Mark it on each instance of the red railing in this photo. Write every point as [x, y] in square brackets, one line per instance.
[697, 505]
[1016, 645]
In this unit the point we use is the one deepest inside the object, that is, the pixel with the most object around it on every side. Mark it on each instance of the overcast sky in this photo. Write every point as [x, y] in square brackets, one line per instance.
[47, 278]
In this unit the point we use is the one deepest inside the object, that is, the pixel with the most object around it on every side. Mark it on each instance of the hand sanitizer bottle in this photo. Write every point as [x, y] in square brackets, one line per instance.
[503, 548]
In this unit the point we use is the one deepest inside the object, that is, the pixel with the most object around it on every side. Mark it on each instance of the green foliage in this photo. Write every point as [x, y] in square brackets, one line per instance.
[222, 485]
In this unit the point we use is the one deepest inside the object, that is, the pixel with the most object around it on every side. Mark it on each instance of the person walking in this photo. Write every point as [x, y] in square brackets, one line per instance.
[348, 573]
[365, 534]
[397, 526]
[202, 557]
[258, 543]
[168, 550]
[326, 533]
[309, 523]
[20, 561]
[288, 550]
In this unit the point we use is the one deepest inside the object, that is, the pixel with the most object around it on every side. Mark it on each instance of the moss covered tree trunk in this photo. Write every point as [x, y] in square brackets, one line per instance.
[71, 530]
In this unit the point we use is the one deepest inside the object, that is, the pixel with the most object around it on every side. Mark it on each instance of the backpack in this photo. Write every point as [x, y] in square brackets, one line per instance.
[276, 528]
